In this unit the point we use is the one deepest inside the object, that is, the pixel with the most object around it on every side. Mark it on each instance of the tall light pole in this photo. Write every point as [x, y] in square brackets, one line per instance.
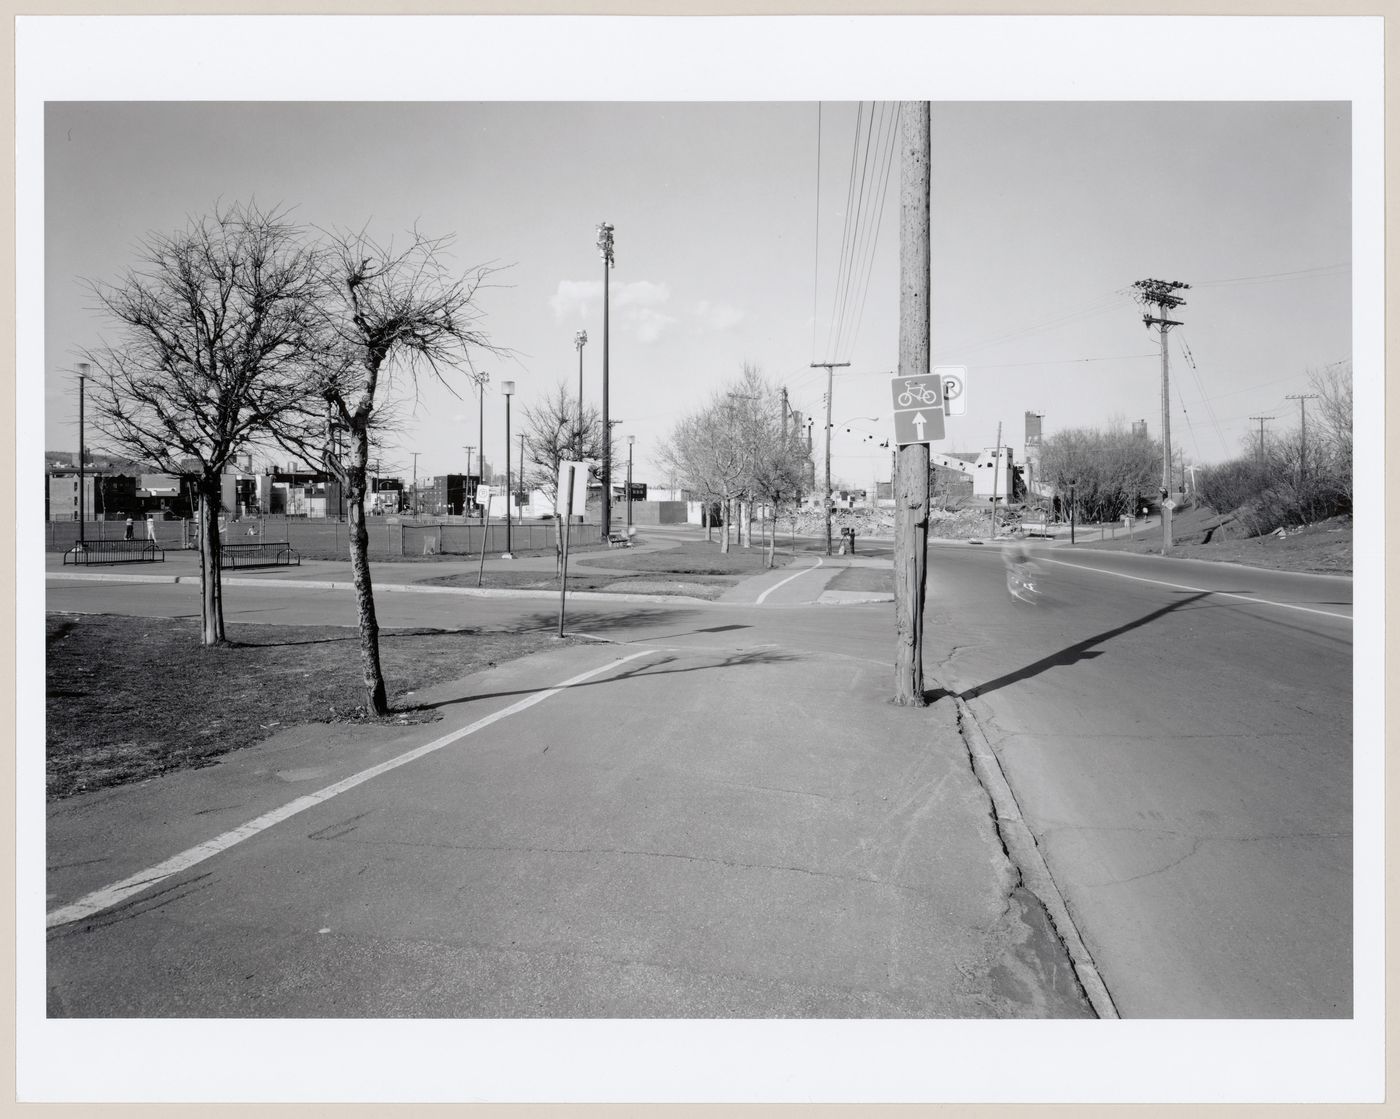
[630, 440]
[1162, 293]
[605, 247]
[467, 484]
[83, 369]
[508, 388]
[415, 455]
[580, 340]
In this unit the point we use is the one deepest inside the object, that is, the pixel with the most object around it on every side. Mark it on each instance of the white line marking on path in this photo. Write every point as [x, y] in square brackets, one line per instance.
[118, 892]
[1204, 590]
[783, 582]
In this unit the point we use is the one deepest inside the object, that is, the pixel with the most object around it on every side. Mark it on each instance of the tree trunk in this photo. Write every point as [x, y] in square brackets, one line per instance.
[210, 577]
[728, 520]
[773, 535]
[376, 699]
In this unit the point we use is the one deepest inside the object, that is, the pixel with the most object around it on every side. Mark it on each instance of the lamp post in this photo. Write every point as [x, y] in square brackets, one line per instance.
[605, 247]
[83, 368]
[508, 388]
[580, 340]
[630, 440]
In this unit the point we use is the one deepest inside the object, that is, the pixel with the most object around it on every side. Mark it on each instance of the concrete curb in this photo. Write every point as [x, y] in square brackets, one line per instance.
[393, 588]
[1025, 855]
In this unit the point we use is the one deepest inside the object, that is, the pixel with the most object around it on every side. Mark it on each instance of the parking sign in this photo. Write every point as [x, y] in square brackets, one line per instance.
[953, 380]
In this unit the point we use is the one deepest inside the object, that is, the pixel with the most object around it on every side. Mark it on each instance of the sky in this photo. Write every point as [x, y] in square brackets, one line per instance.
[730, 223]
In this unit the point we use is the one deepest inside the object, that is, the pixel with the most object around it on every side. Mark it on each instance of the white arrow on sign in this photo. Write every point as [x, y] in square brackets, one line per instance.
[919, 421]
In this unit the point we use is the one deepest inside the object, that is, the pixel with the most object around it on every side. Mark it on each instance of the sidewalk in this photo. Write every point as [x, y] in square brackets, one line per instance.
[804, 849]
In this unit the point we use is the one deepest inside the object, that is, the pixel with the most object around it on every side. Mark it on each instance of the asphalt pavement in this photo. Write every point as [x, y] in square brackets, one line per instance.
[692, 817]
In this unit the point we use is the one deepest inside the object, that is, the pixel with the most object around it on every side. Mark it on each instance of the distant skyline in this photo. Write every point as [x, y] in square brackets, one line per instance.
[729, 250]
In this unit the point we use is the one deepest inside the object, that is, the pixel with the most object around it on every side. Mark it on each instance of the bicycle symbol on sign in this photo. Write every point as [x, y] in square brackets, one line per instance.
[917, 391]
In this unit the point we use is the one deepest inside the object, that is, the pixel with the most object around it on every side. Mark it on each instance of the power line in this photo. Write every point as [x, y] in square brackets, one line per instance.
[1343, 266]
[817, 232]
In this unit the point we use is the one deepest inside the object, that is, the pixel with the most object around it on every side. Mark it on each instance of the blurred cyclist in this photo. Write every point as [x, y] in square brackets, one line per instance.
[1021, 573]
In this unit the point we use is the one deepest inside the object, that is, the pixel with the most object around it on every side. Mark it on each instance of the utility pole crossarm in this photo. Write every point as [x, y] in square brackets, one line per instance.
[1163, 295]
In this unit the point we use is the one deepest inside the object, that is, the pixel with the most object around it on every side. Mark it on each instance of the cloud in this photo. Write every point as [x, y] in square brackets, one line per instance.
[572, 298]
[717, 316]
[635, 306]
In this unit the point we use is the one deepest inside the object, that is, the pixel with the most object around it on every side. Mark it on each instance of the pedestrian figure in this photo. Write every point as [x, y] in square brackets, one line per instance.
[128, 526]
[150, 527]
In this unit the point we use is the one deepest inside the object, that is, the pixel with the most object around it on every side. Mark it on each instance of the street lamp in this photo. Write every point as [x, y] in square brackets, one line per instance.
[630, 440]
[605, 248]
[508, 388]
[83, 369]
[580, 340]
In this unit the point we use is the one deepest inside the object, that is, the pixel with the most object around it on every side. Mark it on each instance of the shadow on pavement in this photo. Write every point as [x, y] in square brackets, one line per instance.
[649, 668]
[1079, 651]
[604, 621]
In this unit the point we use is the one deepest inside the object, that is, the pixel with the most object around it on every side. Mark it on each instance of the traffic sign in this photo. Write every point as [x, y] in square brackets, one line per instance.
[953, 380]
[918, 409]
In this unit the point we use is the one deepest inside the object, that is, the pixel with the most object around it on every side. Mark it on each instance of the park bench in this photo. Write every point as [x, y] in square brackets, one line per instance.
[258, 553]
[114, 551]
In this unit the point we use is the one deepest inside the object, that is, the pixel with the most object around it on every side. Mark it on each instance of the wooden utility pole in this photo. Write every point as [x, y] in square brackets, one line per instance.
[912, 467]
[996, 480]
[826, 497]
[1302, 398]
[1262, 420]
[1162, 293]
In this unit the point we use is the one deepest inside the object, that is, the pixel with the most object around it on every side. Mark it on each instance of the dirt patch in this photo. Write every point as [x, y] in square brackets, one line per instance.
[1322, 548]
[131, 698]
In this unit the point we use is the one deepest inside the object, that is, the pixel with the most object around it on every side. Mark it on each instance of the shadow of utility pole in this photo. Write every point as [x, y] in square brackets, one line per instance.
[1080, 651]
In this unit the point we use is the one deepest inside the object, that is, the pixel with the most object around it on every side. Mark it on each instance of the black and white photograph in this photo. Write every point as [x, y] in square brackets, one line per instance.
[616, 559]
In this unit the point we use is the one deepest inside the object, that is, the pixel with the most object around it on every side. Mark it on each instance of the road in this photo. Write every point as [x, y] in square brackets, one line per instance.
[1177, 738]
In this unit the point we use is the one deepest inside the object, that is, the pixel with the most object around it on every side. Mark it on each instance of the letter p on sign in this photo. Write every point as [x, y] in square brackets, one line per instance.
[953, 378]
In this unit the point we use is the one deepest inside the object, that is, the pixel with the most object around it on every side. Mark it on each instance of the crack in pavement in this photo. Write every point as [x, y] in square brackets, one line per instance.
[1029, 869]
[628, 852]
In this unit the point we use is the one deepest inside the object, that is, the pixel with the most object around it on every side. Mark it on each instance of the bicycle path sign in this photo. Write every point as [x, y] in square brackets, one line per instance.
[918, 409]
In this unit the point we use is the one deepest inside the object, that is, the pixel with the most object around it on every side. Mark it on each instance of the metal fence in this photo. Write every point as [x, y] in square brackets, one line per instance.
[320, 538]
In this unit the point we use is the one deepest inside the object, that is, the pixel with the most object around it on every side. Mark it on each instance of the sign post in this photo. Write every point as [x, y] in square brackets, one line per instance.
[483, 498]
[572, 485]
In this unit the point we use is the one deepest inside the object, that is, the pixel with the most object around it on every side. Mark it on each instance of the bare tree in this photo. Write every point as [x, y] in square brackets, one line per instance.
[706, 454]
[391, 314]
[775, 454]
[216, 323]
[1110, 468]
[1333, 385]
[552, 436]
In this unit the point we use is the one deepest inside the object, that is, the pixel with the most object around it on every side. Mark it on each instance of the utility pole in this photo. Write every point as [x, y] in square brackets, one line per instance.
[1262, 420]
[415, 481]
[1162, 294]
[996, 479]
[605, 247]
[1302, 398]
[912, 482]
[826, 496]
